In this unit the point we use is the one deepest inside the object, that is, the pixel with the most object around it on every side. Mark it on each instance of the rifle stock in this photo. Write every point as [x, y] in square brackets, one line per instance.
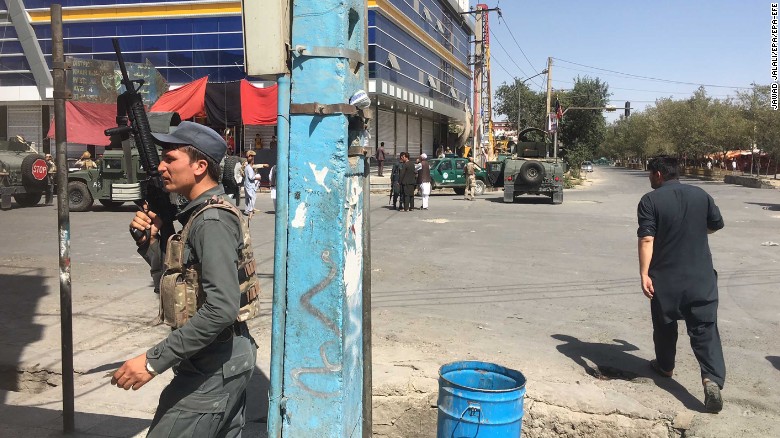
[130, 108]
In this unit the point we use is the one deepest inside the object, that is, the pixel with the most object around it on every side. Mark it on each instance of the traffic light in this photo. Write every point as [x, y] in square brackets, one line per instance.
[628, 109]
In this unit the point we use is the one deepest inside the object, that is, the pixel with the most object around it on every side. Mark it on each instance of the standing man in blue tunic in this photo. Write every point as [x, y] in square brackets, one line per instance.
[677, 275]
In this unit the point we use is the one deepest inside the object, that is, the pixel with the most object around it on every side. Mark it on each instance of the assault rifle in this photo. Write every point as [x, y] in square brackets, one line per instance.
[130, 109]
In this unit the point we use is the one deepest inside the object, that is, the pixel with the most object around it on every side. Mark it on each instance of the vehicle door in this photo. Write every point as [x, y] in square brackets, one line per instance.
[445, 173]
[460, 178]
[111, 171]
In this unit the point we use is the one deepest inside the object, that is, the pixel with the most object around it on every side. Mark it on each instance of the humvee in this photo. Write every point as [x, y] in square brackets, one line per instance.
[119, 174]
[530, 170]
[23, 174]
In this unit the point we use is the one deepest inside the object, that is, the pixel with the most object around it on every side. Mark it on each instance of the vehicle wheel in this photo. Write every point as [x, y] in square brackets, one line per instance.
[479, 188]
[34, 173]
[110, 204]
[231, 168]
[531, 173]
[79, 197]
[28, 199]
[460, 190]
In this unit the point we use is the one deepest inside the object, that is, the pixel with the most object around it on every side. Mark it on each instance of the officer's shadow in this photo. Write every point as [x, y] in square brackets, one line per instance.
[613, 362]
[257, 401]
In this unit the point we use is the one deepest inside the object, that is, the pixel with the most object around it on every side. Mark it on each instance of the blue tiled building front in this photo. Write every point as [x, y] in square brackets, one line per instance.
[418, 53]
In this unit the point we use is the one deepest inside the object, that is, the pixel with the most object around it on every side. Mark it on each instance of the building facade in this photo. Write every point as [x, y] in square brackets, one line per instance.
[418, 58]
[420, 79]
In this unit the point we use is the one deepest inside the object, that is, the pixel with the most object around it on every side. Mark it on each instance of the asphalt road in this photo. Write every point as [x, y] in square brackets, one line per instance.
[550, 290]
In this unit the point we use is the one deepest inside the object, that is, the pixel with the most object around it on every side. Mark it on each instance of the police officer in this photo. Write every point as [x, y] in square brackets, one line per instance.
[211, 354]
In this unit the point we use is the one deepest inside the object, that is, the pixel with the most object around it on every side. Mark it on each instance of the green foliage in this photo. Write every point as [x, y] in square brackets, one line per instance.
[533, 105]
[583, 131]
[697, 126]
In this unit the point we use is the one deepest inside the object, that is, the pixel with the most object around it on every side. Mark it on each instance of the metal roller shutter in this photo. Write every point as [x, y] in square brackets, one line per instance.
[26, 121]
[386, 131]
[400, 133]
[427, 137]
[414, 136]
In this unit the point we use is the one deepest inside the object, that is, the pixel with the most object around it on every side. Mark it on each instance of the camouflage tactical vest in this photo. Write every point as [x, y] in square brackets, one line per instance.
[181, 291]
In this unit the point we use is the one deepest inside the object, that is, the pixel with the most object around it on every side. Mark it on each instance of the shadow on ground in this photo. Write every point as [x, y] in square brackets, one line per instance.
[18, 420]
[775, 361]
[613, 362]
[22, 289]
[766, 206]
[257, 398]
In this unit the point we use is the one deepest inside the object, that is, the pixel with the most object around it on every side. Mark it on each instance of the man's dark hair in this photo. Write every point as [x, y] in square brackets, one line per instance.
[666, 165]
[381, 143]
[405, 154]
[212, 168]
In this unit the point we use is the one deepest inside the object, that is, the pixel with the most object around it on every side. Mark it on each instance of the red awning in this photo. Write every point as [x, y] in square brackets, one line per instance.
[258, 105]
[187, 100]
[86, 122]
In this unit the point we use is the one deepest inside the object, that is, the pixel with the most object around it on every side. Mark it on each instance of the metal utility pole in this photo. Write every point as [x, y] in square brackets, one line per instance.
[483, 111]
[61, 93]
[549, 85]
[318, 339]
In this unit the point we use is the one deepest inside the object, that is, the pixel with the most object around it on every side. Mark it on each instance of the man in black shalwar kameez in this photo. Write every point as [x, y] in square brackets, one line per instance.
[675, 266]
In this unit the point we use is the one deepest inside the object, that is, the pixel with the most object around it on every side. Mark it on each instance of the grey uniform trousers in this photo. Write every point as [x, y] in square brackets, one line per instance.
[207, 396]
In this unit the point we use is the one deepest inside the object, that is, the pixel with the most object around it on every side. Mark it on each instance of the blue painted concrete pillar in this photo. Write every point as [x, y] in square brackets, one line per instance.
[322, 379]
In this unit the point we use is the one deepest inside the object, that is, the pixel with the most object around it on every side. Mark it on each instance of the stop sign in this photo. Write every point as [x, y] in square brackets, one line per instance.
[39, 169]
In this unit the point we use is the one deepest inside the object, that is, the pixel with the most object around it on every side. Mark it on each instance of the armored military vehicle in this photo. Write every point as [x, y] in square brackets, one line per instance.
[23, 174]
[119, 173]
[530, 169]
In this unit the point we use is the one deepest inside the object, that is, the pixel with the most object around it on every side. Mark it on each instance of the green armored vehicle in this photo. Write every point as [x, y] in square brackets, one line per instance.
[23, 174]
[119, 174]
[530, 170]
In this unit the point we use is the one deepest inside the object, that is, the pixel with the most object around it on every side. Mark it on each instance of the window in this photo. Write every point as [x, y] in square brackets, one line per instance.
[433, 82]
[445, 165]
[392, 62]
[112, 163]
[453, 92]
[460, 164]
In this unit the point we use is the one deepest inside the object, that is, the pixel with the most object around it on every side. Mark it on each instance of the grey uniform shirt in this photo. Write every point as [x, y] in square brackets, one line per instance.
[678, 217]
[214, 242]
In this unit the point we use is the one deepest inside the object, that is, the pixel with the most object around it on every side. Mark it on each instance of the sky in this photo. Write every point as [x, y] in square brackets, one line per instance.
[720, 44]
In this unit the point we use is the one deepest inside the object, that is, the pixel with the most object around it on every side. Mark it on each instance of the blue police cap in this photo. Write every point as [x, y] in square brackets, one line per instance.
[198, 136]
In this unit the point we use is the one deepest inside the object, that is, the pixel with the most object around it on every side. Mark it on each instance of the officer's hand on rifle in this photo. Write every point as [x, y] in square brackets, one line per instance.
[145, 224]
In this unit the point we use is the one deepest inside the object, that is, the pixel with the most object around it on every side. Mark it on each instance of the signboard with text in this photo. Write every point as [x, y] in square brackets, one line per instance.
[93, 80]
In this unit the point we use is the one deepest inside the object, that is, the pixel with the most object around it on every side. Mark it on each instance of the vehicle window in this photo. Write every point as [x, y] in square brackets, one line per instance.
[445, 165]
[460, 164]
[112, 163]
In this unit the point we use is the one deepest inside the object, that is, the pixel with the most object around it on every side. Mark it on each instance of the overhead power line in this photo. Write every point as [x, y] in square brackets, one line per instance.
[518, 45]
[493, 35]
[650, 78]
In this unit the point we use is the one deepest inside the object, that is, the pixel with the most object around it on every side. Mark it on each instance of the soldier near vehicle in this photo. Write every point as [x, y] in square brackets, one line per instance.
[208, 289]
[677, 275]
[85, 162]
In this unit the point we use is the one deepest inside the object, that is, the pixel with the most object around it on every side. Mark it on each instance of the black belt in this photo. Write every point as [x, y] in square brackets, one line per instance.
[235, 329]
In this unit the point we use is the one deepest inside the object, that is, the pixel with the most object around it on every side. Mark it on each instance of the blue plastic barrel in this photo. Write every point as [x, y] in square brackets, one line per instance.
[479, 399]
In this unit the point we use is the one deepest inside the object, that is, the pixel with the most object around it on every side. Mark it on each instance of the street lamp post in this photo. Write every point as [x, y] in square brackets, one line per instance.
[519, 95]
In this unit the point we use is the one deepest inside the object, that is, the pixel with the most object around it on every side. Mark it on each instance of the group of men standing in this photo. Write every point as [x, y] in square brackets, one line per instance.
[405, 178]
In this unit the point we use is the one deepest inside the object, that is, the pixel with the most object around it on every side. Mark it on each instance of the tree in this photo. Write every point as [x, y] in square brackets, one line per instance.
[583, 131]
[532, 105]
